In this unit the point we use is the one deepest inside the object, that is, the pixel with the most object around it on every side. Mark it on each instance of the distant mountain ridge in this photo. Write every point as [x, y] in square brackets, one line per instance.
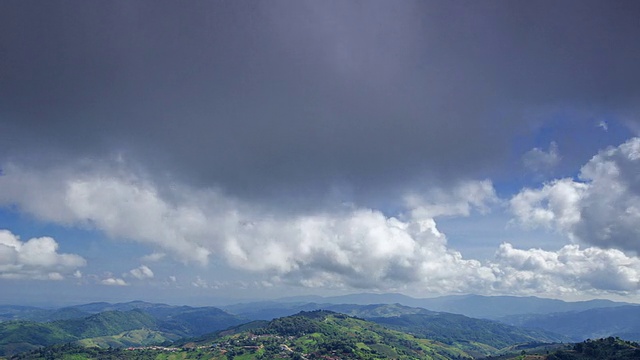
[622, 321]
[528, 320]
[477, 306]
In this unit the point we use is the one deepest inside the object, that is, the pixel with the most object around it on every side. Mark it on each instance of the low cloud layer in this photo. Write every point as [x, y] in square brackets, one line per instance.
[601, 207]
[570, 270]
[36, 258]
[350, 247]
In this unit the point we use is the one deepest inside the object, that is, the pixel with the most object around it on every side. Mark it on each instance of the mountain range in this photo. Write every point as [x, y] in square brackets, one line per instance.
[139, 323]
[478, 306]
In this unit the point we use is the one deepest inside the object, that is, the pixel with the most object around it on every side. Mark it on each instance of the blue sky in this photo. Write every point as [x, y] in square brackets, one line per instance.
[196, 153]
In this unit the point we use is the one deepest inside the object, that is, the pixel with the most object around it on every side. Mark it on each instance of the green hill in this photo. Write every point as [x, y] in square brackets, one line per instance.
[607, 348]
[476, 306]
[475, 336]
[308, 335]
[478, 337]
[150, 323]
[602, 349]
[325, 334]
[106, 323]
[131, 338]
[18, 336]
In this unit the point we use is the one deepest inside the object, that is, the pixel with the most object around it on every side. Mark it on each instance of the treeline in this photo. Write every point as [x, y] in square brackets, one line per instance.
[69, 350]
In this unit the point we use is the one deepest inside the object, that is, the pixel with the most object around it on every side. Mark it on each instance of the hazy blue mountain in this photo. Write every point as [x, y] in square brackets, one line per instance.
[64, 314]
[95, 307]
[490, 307]
[268, 310]
[17, 312]
[478, 306]
[493, 307]
[360, 299]
[621, 321]
[378, 310]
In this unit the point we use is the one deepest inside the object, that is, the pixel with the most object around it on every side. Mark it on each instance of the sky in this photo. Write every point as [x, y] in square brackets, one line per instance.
[193, 152]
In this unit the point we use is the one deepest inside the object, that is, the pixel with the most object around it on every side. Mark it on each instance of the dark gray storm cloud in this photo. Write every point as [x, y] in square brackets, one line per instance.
[265, 97]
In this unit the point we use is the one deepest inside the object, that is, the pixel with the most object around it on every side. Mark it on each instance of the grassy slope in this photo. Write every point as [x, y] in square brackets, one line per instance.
[129, 338]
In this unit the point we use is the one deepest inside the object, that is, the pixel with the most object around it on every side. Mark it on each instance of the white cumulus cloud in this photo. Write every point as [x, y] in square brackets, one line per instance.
[142, 272]
[111, 281]
[36, 258]
[349, 247]
[601, 207]
[568, 270]
[121, 206]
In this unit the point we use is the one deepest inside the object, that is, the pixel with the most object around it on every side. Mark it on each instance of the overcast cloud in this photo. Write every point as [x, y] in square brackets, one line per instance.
[282, 97]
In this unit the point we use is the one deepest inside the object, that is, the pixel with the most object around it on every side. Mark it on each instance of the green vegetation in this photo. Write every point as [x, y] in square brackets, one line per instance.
[18, 336]
[610, 348]
[106, 323]
[603, 349]
[130, 338]
[120, 325]
[307, 335]
[388, 331]
[310, 335]
[475, 336]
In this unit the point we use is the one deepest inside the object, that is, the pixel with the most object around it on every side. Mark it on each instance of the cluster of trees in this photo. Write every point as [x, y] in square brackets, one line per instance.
[601, 349]
[69, 350]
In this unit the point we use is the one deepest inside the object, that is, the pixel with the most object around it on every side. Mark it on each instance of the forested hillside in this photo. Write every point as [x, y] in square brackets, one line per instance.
[143, 325]
[308, 335]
